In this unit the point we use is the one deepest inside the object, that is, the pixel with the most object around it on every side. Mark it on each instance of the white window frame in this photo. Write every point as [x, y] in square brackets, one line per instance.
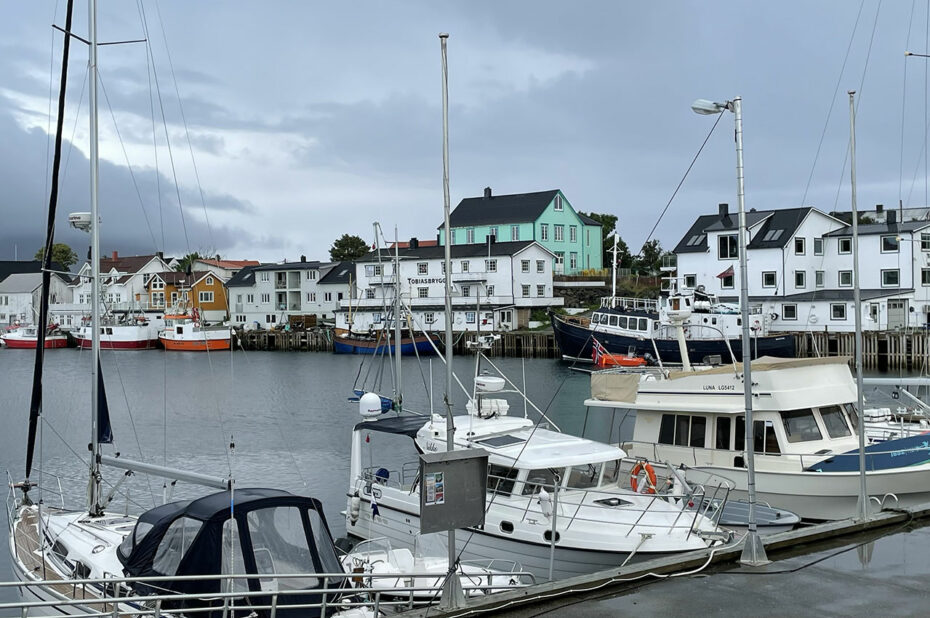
[818, 246]
[422, 292]
[204, 297]
[514, 232]
[524, 266]
[540, 290]
[924, 241]
[774, 277]
[802, 279]
[784, 311]
[572, 233]
[841, 275]
[925, 277]
[833, 308]
[493, 231]
[893, 238]
[897, 274]
[470, 236]
[490, 265]
[544, 232]
[525, 289]
[840, 242]
[819, 279]
[728, 282]
[557, 204]
[800, 245]
[540, 266]
[559, 232]
[422, 268]
[464, 266]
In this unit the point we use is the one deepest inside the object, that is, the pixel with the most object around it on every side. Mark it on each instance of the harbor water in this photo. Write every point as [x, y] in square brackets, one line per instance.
[287, 414]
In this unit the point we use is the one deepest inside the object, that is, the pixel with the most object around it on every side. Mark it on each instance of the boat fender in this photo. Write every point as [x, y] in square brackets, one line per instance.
[545, 503]
[641, 466]
[355, 504]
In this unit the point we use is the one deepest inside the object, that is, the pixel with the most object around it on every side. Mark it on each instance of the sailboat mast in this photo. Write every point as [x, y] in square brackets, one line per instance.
[399, 390]
[863, 495]
[94, 493]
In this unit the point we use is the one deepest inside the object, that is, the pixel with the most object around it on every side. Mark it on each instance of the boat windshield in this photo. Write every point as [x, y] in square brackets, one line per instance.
[801, 426]
[279, 545]
[611, 472]
[834, 421]
[584, 476]
[544, 478]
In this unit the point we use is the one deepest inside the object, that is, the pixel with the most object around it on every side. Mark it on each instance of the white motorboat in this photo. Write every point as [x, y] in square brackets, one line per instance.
[805, 427]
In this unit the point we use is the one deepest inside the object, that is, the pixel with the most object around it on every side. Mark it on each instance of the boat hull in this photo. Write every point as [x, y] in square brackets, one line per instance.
[576, 341]
[118, 344]
[16, 343]
[351, 345]
[195, 345]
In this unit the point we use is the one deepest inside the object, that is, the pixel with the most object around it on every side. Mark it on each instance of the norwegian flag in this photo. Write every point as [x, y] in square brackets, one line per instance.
[598, 351]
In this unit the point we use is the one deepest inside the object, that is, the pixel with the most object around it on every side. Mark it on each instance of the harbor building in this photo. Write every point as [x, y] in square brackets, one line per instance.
[495, 286]
[226, 269]
[175, 290]
[800, 267]
[545, 217]
[20, 294]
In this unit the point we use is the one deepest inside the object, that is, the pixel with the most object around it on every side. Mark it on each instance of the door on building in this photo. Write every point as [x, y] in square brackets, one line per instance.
[897, 313]
[559, 266]
[873, 313]
[506, 319]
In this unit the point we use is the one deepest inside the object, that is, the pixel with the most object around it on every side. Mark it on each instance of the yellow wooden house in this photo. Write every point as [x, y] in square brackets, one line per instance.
[178, 290]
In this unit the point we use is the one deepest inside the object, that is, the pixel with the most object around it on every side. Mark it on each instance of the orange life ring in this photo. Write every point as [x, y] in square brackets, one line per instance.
[650, 476]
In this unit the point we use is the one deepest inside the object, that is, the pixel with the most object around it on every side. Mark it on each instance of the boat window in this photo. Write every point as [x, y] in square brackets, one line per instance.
[723, 433]
[613, 320]
[611, 472]
[764, 439]
[834, 422]
[174, 544]
[682, 422]
[667, 429]
[643, 324]
[698, 427]
[501, 479]
[506, 526]
[800, 425]
[622, 322]
[596, 318]
[324, 543]
[232, 563]
[535, 479]
[179, 330]
[279, 544]
[853, 416]
[584, 476]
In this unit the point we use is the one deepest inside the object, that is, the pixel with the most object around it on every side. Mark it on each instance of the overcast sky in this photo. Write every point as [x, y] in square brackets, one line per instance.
[308, 120]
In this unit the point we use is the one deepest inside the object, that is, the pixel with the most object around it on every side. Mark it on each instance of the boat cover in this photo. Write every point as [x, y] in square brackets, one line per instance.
[888, 455]
[403, 425]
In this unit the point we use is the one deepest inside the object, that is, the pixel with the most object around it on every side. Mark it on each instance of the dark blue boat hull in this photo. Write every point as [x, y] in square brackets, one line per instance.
[349, 345]
[575, 341]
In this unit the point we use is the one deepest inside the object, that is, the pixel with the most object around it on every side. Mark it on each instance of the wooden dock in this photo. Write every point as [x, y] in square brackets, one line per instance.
[314, 340]
[881, 350]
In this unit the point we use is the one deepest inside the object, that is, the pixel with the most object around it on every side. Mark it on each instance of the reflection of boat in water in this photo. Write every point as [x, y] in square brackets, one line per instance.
[26, 338]
[381, 343]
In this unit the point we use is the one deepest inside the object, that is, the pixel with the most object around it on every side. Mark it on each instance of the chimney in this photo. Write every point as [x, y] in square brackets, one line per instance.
[487, 193]
[303, 258]
[160, 254]
[879, 208]
[892, 217]
[115, 255]
[724, 210]
[414, 243]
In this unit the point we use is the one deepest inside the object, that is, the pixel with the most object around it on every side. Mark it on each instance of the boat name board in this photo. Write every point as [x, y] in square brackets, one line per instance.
[719, 387]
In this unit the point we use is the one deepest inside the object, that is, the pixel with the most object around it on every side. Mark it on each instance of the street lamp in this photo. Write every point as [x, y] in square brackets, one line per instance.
[753, 549]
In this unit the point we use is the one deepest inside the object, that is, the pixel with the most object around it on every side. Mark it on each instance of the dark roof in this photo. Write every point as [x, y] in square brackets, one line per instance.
[177, 276]
[312, 264]
[870, 229]
[458, 251]
[731, 221]
[515, 208]
[12, 267]
[340, 273]
[588, 220]
[128, 264]
[695, 239]
[243, 278]
[832, 295]
[779, 228]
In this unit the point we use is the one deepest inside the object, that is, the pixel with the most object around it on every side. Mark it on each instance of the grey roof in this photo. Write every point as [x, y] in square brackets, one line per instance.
[588, 220]
[21, 283]
[311, 265]
[9, 267]
[870, 229]
[338, 274]
[832, 295]
[731, 221]
[779, 228]
[243, 278]
[458, 251]
[515, 208]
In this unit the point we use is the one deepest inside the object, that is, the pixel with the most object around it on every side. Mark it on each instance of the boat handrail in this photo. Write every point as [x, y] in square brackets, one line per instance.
[630, 302]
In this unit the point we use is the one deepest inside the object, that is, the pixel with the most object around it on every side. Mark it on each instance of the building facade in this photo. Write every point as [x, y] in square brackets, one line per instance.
[496, 286]
[180, 291]
[545, 217]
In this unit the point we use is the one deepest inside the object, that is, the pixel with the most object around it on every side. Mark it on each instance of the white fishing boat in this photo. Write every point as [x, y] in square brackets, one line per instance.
[804, 426]
[126, 332]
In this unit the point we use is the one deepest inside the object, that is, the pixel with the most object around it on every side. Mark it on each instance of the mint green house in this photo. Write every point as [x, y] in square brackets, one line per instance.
[545, 216]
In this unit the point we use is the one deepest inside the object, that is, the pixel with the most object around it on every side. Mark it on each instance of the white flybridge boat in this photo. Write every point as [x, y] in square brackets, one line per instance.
[804, 426]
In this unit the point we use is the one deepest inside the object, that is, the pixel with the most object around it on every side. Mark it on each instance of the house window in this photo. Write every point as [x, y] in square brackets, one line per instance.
[266, 298]
[490, 266]
[265, 276]
[490, 290]
[544, 233]
[470, 236]
[238, 298]
[789, 312]
[845, 279]
[818, 278]
[557, 206]
[174, 298]
[726, 282]
[727, 247]
[442, 266]
[464, 266]
[540, 290]
[429, 317]
[209, 281]
[492, 231]
[311, 275]
[769, 279]
[925, 276]
[250, 298]
[524, 266]
[925, 242]
[328, 297]
[158, 284]
[838, 311]
[422, 292]
[800, 279]
[466, 290]
[890, 244]
[559, 233]
[369, 294]
[799, 246]
[690, 281]
[573, 260]
[470, 317]
[891, 278]
[818, 246]
[422, 268]
[312, 297]
[158, 299]
[514, 232]
[844, 245]
[205, 297]
[573, 233]
[540, 266]
[526, 290]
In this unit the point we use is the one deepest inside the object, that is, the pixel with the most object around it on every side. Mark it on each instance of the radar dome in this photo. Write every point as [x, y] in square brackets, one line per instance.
[489, 384]
[369, 405]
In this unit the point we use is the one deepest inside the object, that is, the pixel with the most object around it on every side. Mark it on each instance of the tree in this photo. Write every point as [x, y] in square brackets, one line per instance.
[186, 263]
[649, 259]
[62, 255]
[348, 247]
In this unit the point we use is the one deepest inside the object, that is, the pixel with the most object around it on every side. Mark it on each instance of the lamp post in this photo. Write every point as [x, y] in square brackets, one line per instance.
[753, 548]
